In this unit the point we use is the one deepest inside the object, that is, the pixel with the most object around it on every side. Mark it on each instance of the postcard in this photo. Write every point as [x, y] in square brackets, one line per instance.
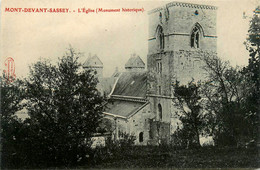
[129, 84]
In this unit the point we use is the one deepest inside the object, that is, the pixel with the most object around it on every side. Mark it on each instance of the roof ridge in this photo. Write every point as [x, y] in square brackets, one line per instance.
[128, 98]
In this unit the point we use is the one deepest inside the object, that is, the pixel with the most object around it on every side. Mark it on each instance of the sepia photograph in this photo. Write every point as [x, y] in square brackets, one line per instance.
[130, 84]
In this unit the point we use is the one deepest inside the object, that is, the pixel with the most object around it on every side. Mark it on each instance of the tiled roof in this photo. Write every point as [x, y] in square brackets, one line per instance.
[131, 84]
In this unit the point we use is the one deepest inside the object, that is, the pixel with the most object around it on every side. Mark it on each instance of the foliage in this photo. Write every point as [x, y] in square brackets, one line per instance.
[252, 71]
[253, 68]
[105, 126]
[181, 137]
[188, 101]
[123, 144]
[252, 45]
[12, 94]
[226, 94]
[114, 149]
[254, 30]
[65, 109]
[155, 157]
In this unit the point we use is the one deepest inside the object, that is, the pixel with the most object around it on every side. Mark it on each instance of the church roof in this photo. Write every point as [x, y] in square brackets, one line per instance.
[93, 61]
[107, 84]
[135, 61]
[132, 84]
[123, 108]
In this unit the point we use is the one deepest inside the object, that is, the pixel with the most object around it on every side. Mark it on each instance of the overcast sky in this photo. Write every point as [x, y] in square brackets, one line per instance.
[113, 37]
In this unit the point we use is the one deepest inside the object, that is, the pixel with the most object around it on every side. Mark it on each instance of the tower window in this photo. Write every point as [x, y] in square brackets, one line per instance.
[159, 67]
[141, 137]
[195, 38]
[160, 37]
[160, 111]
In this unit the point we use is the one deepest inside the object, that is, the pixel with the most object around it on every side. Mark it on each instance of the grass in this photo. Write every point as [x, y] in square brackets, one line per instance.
[158, 157]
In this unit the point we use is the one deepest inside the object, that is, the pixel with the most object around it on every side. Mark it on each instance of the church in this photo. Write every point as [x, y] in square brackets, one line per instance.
[140, 101]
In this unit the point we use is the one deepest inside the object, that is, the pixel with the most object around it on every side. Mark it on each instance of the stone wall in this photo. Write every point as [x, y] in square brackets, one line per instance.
[182, 65]
[140, 123]
[159, 133]
[134, 125]
[189, 64]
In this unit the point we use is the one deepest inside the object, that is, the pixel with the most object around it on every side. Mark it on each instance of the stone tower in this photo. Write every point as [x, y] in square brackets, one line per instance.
[179, 34]
[94, 63]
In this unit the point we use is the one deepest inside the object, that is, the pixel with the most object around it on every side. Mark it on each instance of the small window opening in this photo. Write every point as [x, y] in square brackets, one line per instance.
[195, 38]
[160, 111]
[141, 137]
[160, 37]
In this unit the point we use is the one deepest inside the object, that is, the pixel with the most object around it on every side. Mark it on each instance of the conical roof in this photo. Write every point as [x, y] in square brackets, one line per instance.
[135, 62]
[93, 61]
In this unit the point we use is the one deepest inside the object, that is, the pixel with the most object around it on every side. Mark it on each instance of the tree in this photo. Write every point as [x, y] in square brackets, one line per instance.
[11, 95]
[188, 101]
[253, 46]
[226, 92]
[65, 109]
[11, 102]
[253, 69]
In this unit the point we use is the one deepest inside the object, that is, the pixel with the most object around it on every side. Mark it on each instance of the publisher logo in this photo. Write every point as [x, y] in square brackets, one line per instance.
[9, 71]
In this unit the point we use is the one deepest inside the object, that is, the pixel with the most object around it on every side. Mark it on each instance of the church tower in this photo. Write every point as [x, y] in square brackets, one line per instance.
[179, 35]
[94, 63]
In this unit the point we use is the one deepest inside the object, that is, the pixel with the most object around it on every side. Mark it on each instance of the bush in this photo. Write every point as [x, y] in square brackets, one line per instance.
[114, 149]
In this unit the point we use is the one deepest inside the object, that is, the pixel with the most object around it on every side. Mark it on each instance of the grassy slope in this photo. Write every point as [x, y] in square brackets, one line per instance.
[151, 157]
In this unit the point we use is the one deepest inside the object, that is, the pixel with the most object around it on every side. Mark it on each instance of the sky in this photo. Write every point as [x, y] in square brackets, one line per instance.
[113, 37]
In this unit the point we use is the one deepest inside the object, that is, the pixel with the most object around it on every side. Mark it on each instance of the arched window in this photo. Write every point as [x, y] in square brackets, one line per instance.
[141, 137]
[160, 111]
[195, 37]
[160, 37]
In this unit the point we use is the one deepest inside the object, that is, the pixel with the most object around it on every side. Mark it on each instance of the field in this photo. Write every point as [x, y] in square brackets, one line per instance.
[158, 157]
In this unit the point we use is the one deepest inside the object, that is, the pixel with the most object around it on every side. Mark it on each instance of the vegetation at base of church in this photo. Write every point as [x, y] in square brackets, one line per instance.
[157, 157]
[227, 92]
[114, 149]
[229, 98]
[65, 109]
[188, 101]
[223, 106]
